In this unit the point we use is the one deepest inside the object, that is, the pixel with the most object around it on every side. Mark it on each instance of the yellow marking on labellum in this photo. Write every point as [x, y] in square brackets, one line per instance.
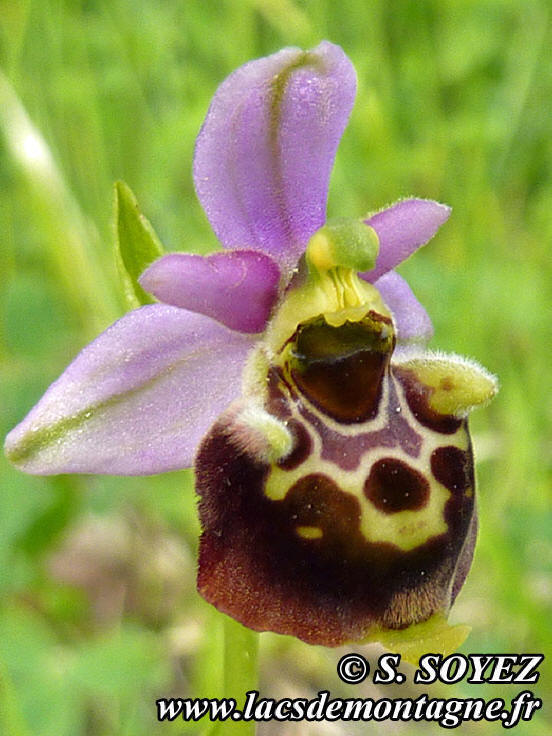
[309, 532]
[405, 529]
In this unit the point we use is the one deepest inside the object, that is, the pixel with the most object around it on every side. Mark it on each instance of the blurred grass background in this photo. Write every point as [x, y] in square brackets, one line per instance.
[98, 610]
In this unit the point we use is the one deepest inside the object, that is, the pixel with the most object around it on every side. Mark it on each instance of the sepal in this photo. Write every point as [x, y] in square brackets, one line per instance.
[412, 322]
[266, 149]
[137, 400]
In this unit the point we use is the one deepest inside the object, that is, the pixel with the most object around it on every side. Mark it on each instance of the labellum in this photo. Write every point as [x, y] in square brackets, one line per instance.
[337, 495]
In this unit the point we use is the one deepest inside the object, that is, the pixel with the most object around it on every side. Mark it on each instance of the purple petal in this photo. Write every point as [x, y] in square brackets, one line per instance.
[412, 322]
[238, 288]
[265, 152]
[135, 401]
[402, 228]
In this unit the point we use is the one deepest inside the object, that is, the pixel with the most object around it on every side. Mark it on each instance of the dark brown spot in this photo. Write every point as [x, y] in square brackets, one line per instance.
[316, 500]
[301, 449]
[393, 486]
[460, 506]
[452, 468]
[418, 396]
[340, 369]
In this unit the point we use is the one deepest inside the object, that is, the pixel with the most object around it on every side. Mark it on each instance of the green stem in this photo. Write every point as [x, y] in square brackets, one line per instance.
[240, 673]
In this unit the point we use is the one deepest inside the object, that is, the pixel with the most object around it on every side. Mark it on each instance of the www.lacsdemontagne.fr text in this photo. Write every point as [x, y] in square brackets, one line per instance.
[447, 712]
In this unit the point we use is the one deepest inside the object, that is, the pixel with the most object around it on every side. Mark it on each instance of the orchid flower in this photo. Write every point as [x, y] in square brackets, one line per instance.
[331, 448]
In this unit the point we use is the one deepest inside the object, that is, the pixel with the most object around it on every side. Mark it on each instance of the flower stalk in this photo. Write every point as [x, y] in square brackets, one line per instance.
[240, 673]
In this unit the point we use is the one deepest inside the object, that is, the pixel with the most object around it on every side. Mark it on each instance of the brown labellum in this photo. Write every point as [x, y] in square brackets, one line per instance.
[368, 521]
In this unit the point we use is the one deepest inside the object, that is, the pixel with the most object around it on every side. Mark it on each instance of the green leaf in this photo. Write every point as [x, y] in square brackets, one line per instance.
[137, 245]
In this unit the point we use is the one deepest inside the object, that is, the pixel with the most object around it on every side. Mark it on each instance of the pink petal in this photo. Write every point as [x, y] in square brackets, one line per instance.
[412, 322]
[237, 288]
[265, 152]
[402, 229]
[137, 400]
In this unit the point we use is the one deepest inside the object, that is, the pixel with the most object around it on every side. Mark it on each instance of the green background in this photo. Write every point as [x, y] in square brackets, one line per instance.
[98, 610]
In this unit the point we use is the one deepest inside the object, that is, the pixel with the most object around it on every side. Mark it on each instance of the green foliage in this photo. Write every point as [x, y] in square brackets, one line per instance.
[98, 609]
[60, 688]
[137, 245]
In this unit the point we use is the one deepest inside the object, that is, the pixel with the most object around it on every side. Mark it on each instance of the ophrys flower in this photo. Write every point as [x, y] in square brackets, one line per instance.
[334, 463]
